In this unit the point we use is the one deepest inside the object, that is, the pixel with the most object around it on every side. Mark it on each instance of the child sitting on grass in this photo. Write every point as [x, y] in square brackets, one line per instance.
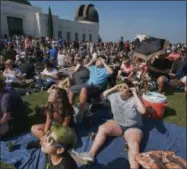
[58, 111]
[56, 143]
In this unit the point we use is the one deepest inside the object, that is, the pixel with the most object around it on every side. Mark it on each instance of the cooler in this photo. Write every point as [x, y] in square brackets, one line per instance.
[155, 104]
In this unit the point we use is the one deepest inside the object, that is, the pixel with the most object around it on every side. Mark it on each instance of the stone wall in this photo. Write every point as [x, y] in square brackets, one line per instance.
[27, 13]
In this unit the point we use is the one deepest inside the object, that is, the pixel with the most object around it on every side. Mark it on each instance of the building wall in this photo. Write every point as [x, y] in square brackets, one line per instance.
[69, 26]
[35, 22]
[25, 12]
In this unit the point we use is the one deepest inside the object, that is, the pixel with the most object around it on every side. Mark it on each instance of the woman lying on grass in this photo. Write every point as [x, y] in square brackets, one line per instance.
[58, 111]
[56, 143]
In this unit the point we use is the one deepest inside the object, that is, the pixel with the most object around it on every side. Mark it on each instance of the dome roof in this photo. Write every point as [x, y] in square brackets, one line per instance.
[87, 13]
[26, 2]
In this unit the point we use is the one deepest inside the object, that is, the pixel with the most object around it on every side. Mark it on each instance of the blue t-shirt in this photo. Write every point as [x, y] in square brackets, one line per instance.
[52, 53]
[98, 76]
[60, 42]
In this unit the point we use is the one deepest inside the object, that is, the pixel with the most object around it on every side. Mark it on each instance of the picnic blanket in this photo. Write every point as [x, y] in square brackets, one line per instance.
[158, 136]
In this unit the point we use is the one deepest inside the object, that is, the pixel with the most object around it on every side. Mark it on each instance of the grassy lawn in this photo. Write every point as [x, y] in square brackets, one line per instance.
[175, 113]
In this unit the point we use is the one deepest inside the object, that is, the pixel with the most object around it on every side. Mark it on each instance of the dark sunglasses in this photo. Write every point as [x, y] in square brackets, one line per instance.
[54, 143]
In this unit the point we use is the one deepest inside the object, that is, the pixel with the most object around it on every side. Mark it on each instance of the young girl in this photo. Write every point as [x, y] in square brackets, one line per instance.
[58, 110]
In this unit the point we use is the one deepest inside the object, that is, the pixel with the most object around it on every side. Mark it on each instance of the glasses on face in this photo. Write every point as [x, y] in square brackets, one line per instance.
[51, 141]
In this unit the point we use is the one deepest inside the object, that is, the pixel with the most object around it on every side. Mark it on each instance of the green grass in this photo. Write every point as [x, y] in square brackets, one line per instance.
[175, 113]
[5, 166]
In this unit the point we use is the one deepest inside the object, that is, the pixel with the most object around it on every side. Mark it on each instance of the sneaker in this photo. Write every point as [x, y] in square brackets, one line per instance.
[79, 115]
[82, 158]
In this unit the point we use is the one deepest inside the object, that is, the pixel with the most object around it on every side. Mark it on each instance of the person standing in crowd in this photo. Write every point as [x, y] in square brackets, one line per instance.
[121, 44]
[127, 47]
[28, 45]
[53, 54]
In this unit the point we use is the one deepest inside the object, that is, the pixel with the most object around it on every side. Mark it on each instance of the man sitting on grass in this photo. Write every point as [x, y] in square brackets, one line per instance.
[97, 83]
[12, 110]
[56, 145]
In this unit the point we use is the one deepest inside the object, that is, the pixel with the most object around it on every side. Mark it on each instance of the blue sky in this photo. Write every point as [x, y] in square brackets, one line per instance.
[127, 18]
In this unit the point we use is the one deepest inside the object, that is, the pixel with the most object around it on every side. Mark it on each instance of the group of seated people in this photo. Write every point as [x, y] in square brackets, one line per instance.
[127, 109]
[59, 111]
[89, 78]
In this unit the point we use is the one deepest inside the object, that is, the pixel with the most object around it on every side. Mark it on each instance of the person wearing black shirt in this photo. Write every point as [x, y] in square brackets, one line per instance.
[56, 144]
[159, 70]
[12, 110]
[27, 68]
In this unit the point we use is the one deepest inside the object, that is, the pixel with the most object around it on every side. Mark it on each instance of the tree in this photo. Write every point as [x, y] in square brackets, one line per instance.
[26, 2]
[99, 38]
[50, 24]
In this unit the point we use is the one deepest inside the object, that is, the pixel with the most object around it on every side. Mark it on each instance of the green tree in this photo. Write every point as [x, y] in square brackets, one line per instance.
[50, 24]
[99, 38]
[26, 2]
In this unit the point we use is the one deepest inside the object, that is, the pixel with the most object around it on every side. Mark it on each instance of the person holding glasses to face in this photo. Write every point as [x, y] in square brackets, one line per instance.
[56, 143]
[127, 109]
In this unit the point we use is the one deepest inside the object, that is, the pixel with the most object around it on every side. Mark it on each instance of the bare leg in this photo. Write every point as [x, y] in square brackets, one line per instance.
[83, 98]
[38, 130]
[160, 81]
[4, 129]
[71, 97]
[119, 74]
[110, 128]
[133, 136]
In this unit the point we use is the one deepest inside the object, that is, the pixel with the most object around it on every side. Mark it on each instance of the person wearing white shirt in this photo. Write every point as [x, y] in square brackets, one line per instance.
[49, 76]
[50, 73]
[12, 75]
[61, 59]
[94, 56]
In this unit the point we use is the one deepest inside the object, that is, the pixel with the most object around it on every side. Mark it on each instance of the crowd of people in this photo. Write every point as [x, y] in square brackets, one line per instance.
[92, 71]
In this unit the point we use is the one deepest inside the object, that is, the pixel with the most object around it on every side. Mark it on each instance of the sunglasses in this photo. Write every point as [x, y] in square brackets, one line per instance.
[51, 141]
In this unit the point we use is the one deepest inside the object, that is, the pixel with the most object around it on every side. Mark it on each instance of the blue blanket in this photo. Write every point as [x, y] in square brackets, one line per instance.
[158, 136]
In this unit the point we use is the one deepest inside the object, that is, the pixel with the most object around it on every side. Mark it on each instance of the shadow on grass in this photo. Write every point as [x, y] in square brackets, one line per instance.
[3, 165]
[169, 112]
[27, 108]
[171, 90]
[150, 124]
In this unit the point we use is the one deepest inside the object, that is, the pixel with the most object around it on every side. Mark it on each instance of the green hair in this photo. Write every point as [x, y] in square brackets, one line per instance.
[65, 135]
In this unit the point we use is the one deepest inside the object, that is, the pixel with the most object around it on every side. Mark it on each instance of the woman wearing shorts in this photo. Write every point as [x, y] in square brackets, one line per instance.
[127, 109]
